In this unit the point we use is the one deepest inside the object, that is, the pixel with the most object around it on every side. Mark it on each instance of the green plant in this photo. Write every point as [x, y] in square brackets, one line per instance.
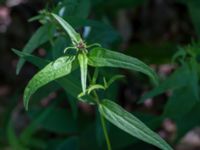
[81, 55]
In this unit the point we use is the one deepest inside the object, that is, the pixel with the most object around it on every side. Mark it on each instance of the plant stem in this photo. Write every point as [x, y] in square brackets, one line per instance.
[103, 124]
[105, 132]
[96, 97]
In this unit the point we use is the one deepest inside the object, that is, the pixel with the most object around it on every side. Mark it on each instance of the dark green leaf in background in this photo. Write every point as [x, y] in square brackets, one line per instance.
[178, 79]
[188, 122]
[12, 138]
[180, 103]
[42, 35]
[59, 45]
[75, 8]
[58, 121]
[71, 143]
[194, 10]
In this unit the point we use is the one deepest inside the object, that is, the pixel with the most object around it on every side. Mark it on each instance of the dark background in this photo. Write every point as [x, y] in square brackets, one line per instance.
[150, 30]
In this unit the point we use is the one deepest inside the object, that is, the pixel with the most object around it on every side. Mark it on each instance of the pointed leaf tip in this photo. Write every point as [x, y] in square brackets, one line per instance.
[75, 37]
[100, 57]
[130, 124]
[54, 70]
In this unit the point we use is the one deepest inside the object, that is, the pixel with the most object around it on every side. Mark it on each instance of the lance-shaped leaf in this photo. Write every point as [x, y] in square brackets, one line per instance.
[12, 138]
[100, 57]
[113, 79]
[83, 61]
[75, 37]
[41, 36]
[54, 70]
[33, 59]
[70, 83]
[185, 75]
[130, 124]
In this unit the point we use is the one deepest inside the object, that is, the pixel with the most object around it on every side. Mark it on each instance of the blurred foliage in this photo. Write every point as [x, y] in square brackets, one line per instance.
[162, 33]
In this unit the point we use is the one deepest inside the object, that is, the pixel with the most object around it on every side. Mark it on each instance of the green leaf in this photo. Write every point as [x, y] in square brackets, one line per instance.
[83, 61]
[84, 6]
[179, 55]
[103, 33]
[95, 87]
[183, 97]
[75, 37]
[41, 36]
[194, 10]
[73, 104]
[72, 86]
[60, 43]
[54, 70]
[130, 124]
[194, 79]
[127, 140]
[185, 77]
[114, 78]
[178, 79]
[70, 83]
[100, 57]
[75, 8]
[59, 121]
[71, 143]
[12, 138]
[186, 96]
[188, 122]
[95, 76]
[29, 131]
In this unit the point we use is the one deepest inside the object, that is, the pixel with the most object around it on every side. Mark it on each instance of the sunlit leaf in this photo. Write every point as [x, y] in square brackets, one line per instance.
[95, 87]
[100, 57]
[70, 83]
[83, 61]
[75, 37]
[54, 70]
[130, 124]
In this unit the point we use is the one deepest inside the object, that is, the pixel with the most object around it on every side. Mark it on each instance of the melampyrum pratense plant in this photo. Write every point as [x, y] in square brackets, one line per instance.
[80, 55]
